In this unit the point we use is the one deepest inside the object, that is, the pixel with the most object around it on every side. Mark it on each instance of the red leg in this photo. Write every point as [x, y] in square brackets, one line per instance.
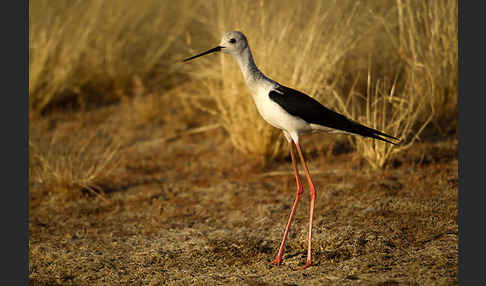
[278, 259]
[311, 211]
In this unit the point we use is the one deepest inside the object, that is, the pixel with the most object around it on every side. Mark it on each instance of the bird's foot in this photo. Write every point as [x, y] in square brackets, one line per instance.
[307, 264]
[277, 261]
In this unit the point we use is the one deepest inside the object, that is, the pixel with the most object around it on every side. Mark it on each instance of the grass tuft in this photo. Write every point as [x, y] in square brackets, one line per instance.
[385, 110]
[70, 164]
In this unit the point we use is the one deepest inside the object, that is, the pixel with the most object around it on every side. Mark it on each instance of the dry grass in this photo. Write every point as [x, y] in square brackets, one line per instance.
[81, 48]
[69, 163]
[394, 114]
[428, 43]
[102, 51]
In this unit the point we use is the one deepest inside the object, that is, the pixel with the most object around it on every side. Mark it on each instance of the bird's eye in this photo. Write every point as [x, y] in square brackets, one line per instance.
[232, 40]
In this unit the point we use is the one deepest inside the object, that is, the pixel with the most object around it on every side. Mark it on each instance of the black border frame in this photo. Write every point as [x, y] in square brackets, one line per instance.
[15, 124]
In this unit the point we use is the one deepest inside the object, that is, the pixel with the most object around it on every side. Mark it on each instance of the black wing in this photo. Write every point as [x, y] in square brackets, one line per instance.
[299, 104]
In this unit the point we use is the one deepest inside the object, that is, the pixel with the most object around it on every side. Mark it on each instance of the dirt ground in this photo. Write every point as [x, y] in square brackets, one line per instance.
[186, 208]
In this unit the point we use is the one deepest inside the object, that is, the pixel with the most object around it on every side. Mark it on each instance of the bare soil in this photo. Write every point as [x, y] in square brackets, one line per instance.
[186, 208]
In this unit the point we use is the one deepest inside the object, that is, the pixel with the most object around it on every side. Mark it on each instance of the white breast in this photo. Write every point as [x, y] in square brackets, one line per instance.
[274, 114]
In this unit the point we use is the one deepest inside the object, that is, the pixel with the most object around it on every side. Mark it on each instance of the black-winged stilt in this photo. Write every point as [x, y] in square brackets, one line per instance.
[294, 113]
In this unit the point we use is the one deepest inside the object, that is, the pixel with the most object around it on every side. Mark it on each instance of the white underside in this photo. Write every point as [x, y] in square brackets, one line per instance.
[276, 116]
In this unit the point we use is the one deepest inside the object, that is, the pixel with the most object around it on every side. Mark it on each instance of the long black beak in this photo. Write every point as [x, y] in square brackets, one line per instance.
[217, 49]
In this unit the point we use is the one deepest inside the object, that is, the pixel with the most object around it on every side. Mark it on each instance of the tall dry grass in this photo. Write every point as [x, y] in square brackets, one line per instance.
[428, 44]
[101, 50]
[90, 47]
[426, 47]
[395, 114]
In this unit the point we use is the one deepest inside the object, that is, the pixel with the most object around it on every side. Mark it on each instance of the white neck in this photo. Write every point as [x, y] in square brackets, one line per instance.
[249, 69]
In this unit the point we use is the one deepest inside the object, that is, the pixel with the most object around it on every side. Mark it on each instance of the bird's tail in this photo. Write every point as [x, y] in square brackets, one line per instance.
[373, 133]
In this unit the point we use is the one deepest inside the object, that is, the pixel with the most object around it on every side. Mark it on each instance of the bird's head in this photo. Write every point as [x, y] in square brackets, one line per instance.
[232, 43]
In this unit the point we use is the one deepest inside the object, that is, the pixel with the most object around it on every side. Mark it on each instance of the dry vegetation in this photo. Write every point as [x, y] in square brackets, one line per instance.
[71, 162]
[81, 49]
[318, 47]
[146, 170]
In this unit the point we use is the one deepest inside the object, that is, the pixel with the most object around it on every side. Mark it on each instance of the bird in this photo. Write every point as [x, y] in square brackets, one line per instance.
[295, 113]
